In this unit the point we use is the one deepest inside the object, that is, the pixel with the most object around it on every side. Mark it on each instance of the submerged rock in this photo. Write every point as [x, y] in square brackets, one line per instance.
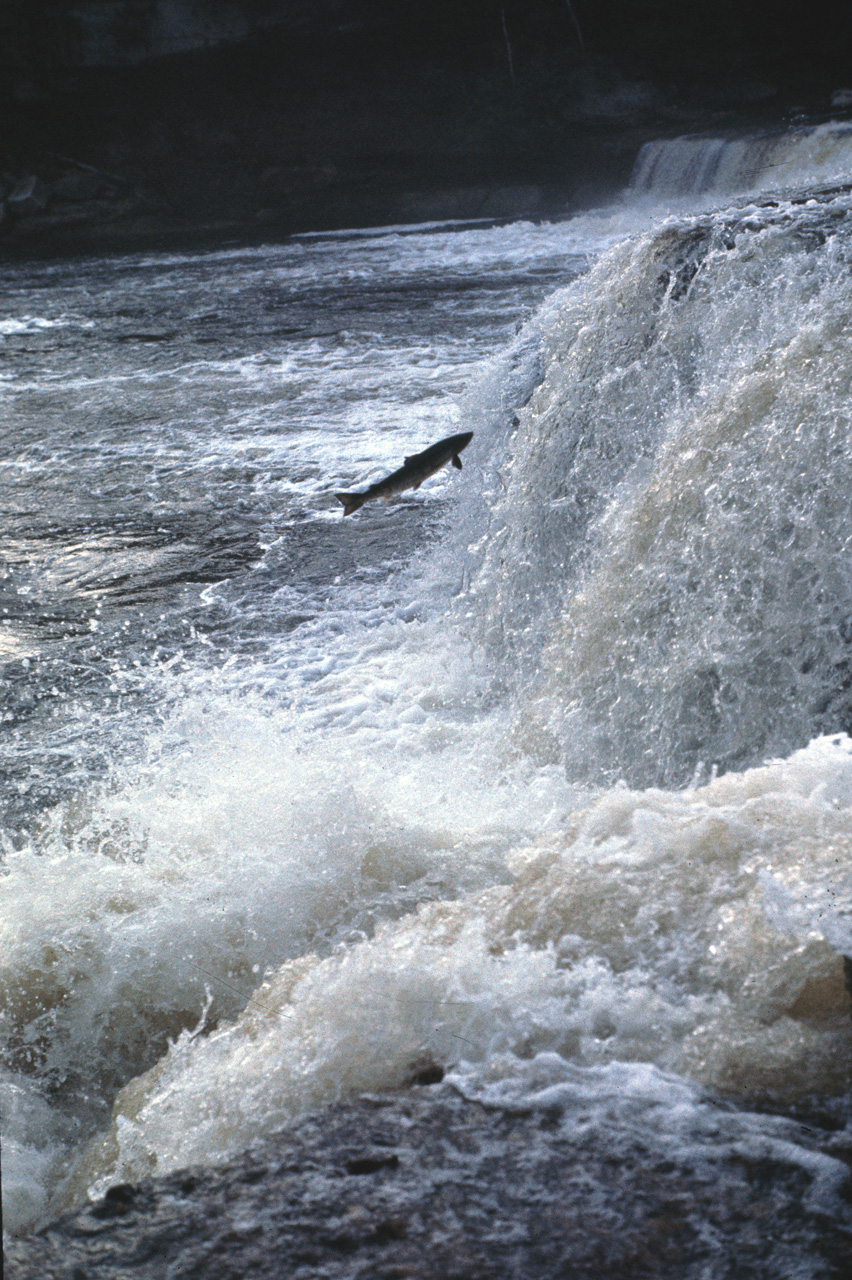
[429, 1184]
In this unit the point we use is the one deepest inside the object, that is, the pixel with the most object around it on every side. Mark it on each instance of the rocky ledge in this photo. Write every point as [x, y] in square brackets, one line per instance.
[426, 1184]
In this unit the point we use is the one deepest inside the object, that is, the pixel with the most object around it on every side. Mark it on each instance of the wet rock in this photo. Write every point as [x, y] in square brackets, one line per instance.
[426, 1185]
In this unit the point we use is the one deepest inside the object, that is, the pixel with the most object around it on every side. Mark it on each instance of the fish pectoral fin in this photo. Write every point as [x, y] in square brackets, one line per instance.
[457, 462]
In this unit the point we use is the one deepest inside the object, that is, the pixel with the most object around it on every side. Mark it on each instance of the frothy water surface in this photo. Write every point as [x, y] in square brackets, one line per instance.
[539, 775]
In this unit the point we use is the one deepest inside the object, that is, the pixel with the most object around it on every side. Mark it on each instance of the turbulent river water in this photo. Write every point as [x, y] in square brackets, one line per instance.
[539, 775]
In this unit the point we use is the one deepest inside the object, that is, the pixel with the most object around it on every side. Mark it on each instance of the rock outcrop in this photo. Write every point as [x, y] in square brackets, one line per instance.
[425, 1184]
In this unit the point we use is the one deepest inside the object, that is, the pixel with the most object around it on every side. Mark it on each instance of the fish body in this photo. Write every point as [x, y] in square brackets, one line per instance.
[412, 473]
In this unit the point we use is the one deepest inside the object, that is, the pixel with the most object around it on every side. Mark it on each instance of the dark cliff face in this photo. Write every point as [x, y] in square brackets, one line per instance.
[667, 38]
[296, 114]
[61, 34]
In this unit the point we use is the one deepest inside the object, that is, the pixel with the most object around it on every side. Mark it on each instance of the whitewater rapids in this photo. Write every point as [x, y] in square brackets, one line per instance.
[551, 789]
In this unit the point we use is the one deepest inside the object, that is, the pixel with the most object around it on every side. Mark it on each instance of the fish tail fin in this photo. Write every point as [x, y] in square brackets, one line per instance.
[351, 502]
[457, 462]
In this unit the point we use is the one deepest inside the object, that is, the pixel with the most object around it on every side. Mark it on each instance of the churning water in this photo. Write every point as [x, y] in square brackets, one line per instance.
[540, 774]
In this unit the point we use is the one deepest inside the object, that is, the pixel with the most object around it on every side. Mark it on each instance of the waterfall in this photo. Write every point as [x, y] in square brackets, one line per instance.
[695, 164]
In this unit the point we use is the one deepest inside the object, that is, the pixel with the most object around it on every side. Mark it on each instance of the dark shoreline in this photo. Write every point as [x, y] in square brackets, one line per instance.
[321, 129]
[46, 239]
[118, 222]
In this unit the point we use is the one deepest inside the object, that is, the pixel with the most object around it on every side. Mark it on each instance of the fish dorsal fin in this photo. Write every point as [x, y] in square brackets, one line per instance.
[457, 462]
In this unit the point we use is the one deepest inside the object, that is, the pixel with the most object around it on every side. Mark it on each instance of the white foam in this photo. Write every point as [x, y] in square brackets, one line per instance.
[634, 932]
[673, 1117]
[35, 324]
[654, 614]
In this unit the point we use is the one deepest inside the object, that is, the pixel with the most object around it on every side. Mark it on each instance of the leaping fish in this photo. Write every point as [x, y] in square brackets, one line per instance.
[412, 473]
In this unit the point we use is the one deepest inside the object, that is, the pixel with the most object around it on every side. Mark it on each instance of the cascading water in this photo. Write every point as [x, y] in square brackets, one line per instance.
[668, 569]
[698, 164]
[560, 798]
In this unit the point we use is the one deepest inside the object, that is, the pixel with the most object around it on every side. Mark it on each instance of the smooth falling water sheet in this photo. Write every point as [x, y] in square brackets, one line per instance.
[540, 776]
[700, 164]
